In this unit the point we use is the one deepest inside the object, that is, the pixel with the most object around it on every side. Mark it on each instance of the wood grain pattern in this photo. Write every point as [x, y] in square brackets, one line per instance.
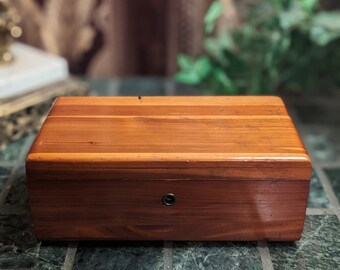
[100, 166]
[233, 210]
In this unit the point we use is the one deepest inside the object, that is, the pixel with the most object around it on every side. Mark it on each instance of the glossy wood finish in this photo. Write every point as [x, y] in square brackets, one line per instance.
[100, 166]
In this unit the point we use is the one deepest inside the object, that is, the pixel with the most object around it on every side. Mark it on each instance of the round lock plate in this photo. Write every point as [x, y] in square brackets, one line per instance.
[169, 199]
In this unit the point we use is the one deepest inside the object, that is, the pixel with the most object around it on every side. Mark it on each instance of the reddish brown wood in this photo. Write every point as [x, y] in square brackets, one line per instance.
[100, 166]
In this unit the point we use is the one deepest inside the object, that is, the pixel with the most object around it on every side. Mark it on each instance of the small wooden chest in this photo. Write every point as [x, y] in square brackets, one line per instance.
[168, 168]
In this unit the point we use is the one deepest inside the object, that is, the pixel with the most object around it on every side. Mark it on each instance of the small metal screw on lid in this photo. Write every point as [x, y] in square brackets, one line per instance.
[169, 199]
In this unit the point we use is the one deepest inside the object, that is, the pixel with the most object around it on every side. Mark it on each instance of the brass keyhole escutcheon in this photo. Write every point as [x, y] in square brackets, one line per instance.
[169, 199]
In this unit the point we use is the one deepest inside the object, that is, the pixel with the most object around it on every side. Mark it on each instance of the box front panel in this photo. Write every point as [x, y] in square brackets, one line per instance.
[198, 210]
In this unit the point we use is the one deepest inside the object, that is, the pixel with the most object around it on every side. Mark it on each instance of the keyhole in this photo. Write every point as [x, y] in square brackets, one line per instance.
[169, 199]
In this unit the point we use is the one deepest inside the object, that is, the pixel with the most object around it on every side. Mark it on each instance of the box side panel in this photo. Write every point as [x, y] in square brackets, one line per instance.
[133, 210]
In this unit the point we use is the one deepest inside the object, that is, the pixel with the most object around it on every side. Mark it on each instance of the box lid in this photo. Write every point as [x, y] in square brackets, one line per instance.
[170, 138]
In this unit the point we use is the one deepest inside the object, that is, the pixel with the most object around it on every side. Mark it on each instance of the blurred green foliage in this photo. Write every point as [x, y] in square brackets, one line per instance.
[284, 46]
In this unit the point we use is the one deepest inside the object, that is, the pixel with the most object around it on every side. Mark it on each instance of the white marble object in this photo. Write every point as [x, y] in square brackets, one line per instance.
[31, 69]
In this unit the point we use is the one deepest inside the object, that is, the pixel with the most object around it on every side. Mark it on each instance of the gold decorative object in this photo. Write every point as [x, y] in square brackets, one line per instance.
[9, 29]
[25, 114]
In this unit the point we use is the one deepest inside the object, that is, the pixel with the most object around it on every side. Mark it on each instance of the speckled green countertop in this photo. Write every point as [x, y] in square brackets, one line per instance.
[318, 121]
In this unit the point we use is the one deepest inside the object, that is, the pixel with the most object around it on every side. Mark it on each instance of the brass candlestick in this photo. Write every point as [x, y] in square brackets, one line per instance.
[9, 29]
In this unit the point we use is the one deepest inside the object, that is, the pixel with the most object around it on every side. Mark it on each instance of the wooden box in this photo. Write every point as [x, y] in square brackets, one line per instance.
[168, 168]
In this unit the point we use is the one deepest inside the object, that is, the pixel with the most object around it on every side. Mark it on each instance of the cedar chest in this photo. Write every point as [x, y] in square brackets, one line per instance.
[168, 168]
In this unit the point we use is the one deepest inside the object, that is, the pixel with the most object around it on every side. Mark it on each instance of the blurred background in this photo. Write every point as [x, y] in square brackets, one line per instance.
[110, 38]
[51, 48]
[225, 46]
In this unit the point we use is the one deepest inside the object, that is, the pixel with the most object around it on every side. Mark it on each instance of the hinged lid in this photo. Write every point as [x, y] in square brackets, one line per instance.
[170, 138]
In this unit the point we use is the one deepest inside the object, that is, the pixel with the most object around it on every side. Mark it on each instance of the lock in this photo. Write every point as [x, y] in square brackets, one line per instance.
[169, 199]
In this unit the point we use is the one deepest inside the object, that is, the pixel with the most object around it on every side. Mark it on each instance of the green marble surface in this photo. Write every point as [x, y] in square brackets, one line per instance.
[16, 229]
[140, 87]
[4, 174]
[119, 255]
[216, 255]
[48, 256]
[18, 192]
[322, 128]
[319, 247]
[317, 196]
[327, 112]
[10, 152]
[323, 141]
[334, 179]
